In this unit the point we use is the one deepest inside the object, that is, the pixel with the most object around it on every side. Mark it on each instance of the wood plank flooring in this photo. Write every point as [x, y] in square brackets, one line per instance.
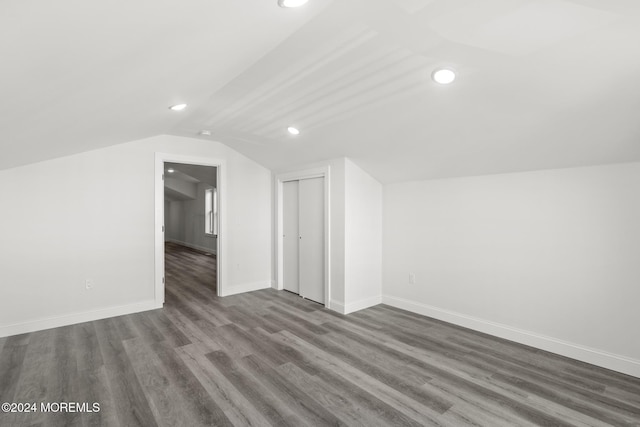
[271, 358]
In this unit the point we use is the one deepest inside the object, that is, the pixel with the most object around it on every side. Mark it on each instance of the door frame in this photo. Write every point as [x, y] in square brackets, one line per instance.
[319, 172]
[159, 233]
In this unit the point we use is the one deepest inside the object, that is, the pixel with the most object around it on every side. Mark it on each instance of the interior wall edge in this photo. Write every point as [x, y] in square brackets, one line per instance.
[246, 287]
[362, 304]
[75, 318]
[593, 356]
[337, 306]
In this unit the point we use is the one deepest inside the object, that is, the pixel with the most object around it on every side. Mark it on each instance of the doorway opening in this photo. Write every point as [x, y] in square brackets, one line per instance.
[189, 228]
[190, 225]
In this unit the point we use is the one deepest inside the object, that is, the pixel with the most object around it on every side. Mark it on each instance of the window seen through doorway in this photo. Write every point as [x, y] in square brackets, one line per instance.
[211, 211]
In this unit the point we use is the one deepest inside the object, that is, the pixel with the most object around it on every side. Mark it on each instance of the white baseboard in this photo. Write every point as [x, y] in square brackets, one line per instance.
[337, 306]
[192, 246]
[354, 306]
[245, 287]
[593, 356]
[362, 304]
[72, 319]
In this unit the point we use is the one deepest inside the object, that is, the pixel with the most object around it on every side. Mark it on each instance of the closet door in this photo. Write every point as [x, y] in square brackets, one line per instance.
[311, 230]
[291, 236]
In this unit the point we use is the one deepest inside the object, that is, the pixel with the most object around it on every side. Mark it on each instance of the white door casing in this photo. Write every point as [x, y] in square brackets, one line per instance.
[290, 236]
[220, 164]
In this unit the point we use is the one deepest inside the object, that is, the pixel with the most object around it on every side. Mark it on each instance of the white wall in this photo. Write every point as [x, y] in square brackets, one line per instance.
[173, 222]
[548, 258]
[91, 215]
[337, 237]
[363, 239]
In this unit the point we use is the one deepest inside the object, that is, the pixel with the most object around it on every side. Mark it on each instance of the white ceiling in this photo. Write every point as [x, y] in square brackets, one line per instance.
[541, 83]
[77, 75]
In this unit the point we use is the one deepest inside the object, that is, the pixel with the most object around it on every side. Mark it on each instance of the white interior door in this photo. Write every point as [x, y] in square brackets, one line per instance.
[290, 236]
[311, 227]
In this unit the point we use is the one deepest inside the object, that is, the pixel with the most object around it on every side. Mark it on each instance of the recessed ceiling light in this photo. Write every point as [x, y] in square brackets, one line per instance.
[444, 76]
[291, 3]
[293, 131]
[171, 170]
[178, 107]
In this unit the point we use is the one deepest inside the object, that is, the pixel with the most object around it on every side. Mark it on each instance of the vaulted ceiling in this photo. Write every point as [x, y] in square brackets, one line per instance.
[540, 83]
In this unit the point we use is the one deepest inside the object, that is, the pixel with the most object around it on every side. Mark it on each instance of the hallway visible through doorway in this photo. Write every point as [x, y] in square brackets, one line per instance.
[188, 268]
[191, 225]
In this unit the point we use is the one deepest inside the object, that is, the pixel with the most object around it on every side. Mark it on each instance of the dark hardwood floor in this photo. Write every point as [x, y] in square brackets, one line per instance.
[271, 358]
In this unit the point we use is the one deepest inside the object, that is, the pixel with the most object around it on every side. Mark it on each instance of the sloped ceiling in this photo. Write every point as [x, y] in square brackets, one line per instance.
[77, 75]
[541, 83]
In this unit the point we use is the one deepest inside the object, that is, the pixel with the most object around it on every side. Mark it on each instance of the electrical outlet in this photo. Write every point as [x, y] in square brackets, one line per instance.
[412, 278]
[88, 284]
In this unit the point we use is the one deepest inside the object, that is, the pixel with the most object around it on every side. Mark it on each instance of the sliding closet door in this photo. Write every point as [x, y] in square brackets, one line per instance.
[290, 236]
[311, 227]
